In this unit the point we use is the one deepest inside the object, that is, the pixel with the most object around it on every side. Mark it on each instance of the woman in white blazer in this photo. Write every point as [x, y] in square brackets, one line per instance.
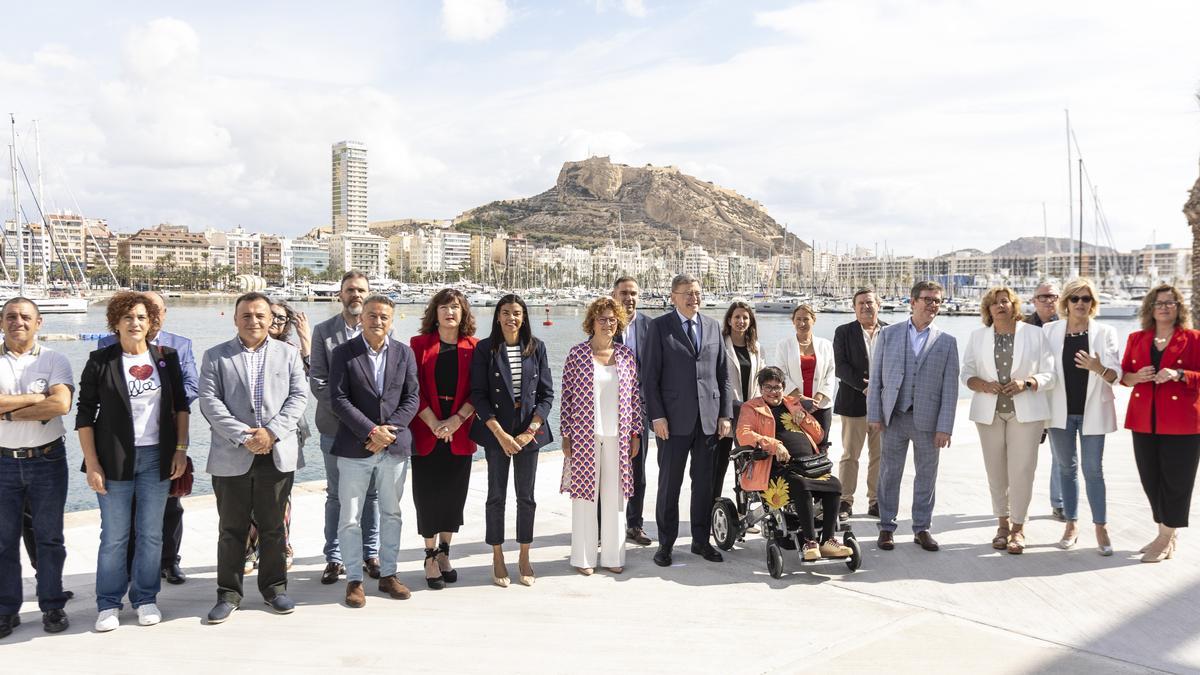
[1086, 365]
[807, 362]
[1008, 365]
[743, 361]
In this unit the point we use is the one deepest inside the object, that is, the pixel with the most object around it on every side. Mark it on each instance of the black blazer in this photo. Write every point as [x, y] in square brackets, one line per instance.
[852, 369]
[360, 407]
[492, 394]
[104, 406]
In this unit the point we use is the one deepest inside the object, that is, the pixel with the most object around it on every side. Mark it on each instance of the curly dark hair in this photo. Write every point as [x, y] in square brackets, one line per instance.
[429, 324]
[121, 303]
[599, 306]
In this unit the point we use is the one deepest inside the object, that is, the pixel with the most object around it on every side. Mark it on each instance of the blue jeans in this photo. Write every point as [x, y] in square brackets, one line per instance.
[370, 516]
[1066, 460]
[1056, 490]
[116, 515]
[43, 481]
[387, 471]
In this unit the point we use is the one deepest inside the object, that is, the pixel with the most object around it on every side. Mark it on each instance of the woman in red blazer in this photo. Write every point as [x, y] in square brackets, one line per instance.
[1162, 364]
[442, 446]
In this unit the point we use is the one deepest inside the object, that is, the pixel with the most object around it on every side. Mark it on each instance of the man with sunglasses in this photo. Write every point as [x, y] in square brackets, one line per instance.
[912, 399]
[1045, 310]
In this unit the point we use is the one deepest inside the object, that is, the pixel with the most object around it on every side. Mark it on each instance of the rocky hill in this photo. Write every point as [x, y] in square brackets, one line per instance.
[1026, 246]
[658, 206]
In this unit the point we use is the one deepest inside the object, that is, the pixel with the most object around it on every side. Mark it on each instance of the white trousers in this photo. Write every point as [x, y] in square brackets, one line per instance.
[611, 530]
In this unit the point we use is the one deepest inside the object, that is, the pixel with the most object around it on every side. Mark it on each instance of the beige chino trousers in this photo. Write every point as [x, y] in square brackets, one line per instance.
[1010, 450]
[856, 432]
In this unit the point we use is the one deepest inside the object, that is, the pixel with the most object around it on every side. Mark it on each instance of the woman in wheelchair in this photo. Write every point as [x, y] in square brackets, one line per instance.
[779, 425]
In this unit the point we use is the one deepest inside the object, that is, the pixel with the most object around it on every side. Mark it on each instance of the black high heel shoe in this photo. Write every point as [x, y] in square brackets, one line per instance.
[450, 576]
[436, 583]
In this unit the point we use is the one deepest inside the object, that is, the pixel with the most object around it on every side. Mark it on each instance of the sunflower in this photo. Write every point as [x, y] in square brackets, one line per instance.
[789, 423]
[776, 494]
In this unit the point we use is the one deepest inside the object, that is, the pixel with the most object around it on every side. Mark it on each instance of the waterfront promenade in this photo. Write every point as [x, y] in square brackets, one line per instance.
[967, 608]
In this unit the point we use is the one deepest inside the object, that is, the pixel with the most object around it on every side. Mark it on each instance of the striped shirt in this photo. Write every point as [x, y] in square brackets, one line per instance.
[256, 361]
[514, 364]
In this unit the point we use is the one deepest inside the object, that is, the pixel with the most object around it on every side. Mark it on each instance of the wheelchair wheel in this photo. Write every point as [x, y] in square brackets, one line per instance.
[774, 560]
[726, 526]
[855, 560]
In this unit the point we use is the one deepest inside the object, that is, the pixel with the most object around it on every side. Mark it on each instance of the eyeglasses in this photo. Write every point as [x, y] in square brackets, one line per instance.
[931, 301]
[1046, 297]
[1166, 304]
[772, 388]
[606, 320]
[693, 294]
[279, 318]
[1085, 299]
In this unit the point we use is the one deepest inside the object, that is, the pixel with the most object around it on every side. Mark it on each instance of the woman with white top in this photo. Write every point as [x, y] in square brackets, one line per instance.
[1087, 365]
[1008, 365]
[743, 361]
[807, 362]
[600, 423]
[133, 429]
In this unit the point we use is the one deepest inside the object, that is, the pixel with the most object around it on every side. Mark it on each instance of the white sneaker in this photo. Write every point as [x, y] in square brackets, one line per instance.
[148, 615]
[107, 620]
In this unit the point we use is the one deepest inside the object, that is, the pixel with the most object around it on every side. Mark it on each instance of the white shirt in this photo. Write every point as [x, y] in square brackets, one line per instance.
[604, 395]
[869, 341]
[33, 372]
[353, 331]
[145, 396]
[378, 362]
[683, 323]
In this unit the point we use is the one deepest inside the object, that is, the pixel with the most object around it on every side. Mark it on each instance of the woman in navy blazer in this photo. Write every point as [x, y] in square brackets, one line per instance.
[512, 392]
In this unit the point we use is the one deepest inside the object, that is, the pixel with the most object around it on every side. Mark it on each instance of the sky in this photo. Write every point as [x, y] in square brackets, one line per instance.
[912, 127]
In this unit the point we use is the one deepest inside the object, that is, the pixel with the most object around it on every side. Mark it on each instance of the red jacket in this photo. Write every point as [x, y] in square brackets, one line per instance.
[426, 349]
[1176, 404]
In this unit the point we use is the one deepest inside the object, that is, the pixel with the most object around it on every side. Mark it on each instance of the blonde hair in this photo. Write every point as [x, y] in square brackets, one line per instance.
[985, 305]
[1072, 288]
[1183, 318]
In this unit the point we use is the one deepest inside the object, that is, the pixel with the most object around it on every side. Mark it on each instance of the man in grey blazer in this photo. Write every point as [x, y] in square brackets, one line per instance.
[625, 291]
[912, 397]
[327, 335]
[252, 392]
[689, 399]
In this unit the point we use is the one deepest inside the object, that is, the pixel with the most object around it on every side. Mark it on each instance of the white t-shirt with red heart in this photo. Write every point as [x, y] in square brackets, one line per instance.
[145, 396]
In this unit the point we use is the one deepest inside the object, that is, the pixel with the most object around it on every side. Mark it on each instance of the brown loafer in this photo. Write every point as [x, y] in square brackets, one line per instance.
[638, 536]
[355, 597]
[925, 541]
[392, 586]
[886, 541]
[371, 567]
[332, 571]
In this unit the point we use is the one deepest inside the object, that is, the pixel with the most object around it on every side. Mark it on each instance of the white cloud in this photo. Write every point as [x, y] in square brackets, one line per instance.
[473, 20]
[160, 47]
[634, 7]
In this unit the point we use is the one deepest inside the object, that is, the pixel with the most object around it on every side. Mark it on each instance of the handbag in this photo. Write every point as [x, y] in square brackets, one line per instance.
[812, 466]
[182, 486]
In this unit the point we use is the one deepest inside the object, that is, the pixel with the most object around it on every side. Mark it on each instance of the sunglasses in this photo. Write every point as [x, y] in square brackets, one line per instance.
[1045, 297]
[1085, 299]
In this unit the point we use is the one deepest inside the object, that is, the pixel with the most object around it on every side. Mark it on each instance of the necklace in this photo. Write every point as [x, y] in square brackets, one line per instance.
[804, 344]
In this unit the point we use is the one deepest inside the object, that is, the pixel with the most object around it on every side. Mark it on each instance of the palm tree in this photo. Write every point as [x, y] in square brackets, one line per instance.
[1191, 210]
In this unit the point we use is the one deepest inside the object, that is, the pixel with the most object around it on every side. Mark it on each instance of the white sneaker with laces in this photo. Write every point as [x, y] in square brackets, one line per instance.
[107, 620]
[148, 615]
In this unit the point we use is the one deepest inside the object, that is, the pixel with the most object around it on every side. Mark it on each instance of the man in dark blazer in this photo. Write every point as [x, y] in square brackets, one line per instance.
[373, 392]
[853, 344]
[689, 399]
[625, 291]
[327, 335]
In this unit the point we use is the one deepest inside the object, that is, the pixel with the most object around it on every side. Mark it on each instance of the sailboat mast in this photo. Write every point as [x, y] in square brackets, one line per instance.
[37, 149]
[17, 207]
[1070, 186]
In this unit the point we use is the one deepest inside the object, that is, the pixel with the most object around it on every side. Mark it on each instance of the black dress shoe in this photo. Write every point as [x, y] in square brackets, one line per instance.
[637, 535]
[1058, 514]
[886, 541]
[371, 567]
[873, 510]
[707, 552]
[69, 595]
[173, 574]
[221, 611]
[845, 511]
[662, 557]
[332, 571]
[281, 603]
[7, 623]
[55, 620]
[925, 541]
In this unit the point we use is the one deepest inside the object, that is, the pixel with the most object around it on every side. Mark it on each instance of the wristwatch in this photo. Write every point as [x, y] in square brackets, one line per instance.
[535, 426]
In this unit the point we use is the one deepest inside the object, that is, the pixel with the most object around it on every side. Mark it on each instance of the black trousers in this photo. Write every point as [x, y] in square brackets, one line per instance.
[825, 417]
[1167, 466]
[672, 458]
[524, 465]
[636, 503]
[262, 491]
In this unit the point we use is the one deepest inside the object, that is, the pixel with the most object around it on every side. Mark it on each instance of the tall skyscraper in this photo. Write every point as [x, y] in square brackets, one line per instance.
[350, 187]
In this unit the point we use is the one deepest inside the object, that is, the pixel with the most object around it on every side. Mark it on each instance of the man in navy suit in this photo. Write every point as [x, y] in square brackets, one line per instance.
[625, 291]
[689, 399]
[173, 514]
[373, 392]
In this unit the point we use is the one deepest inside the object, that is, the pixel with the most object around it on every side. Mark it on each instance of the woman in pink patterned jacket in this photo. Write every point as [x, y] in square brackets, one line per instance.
[600, 421]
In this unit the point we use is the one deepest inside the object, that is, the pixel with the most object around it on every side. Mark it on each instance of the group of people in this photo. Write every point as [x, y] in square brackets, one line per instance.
[699, 387]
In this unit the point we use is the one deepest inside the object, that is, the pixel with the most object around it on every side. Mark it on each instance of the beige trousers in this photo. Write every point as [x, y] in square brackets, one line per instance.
[855, 432]
[1010, 450]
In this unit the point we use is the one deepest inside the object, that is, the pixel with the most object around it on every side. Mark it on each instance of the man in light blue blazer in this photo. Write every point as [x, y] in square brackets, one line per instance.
[912, 397]
[625, 291]
[172, 536]
[252, 392]
[689, 400]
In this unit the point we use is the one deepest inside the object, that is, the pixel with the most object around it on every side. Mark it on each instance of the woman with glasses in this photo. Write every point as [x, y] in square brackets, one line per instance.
[1086, 365]
[807, 363]
[1162, 364]
[1007, 364]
